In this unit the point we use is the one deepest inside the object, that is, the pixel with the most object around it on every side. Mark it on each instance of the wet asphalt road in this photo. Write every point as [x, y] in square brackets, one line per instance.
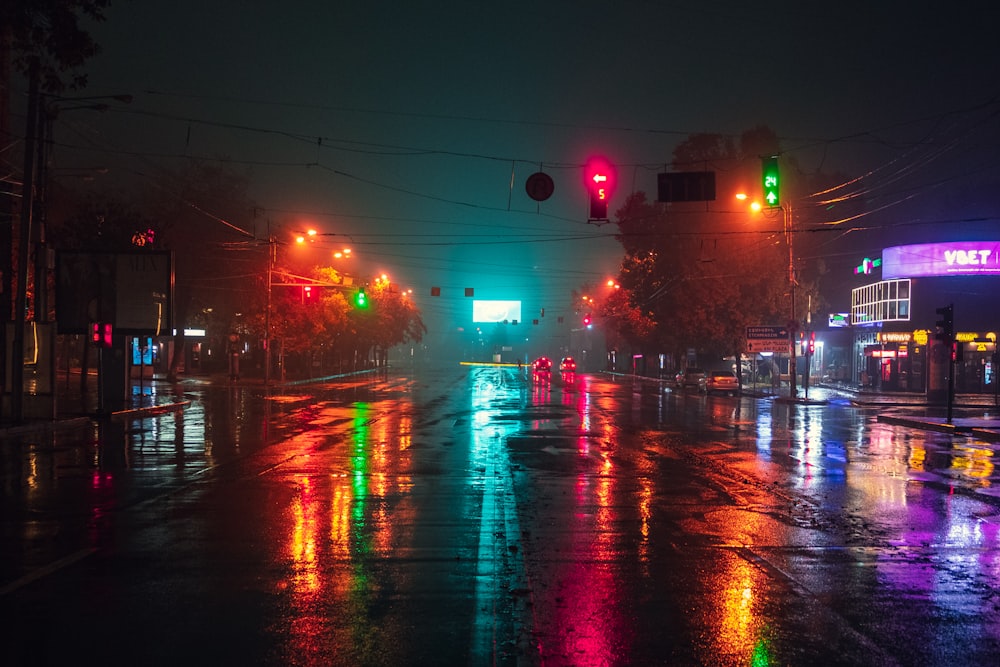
[478, 516]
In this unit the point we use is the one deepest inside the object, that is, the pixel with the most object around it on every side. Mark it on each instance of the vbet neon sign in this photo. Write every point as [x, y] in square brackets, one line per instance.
[972, 257]
[942, 259]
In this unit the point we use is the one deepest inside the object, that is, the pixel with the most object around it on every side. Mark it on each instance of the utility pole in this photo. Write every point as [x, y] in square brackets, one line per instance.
[267, 308]
[24, 249]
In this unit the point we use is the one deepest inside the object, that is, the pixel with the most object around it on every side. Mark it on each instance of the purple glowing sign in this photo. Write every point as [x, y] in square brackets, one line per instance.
[959, 258]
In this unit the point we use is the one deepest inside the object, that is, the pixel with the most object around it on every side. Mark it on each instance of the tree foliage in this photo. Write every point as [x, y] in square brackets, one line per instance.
[694, 278]
[332, 330]
[49, 33]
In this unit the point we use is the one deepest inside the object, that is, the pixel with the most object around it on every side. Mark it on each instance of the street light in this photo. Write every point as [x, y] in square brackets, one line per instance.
[787, 225]
[793, 325]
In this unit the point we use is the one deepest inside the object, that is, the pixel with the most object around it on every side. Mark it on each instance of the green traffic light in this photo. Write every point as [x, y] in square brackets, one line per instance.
[361, 299]
[771, 181]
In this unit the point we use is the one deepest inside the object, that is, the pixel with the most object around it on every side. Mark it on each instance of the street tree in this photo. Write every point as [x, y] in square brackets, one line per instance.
[391, 319]
[48, 36]
[695, 278]
[44, 41]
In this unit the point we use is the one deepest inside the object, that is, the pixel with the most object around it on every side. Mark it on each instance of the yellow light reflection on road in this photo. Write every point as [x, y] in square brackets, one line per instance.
[302, 546]
[739, 631]
[973, 462]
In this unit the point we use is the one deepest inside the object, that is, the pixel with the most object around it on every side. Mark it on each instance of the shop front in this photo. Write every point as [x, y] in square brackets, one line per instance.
[975, 363]
[897, 361]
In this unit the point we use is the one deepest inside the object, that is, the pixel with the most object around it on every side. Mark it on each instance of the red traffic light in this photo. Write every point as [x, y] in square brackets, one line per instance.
[101, 334]
[600, 181]
[586, 320]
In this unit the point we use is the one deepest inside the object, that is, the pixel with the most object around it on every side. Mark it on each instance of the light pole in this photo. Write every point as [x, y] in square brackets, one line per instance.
[267, 309]
[24, 240]
[793, 323]
[787, 220]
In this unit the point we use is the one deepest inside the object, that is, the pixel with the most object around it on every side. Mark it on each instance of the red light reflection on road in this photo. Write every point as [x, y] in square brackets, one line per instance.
[590, 628]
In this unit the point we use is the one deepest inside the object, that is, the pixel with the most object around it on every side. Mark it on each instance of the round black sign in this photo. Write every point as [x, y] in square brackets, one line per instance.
[539, 186]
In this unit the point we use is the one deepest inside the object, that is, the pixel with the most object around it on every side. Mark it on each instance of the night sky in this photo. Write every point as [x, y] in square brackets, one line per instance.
[402, 125]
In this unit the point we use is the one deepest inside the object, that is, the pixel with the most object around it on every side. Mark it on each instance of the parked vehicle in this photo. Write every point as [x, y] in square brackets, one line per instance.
[722, 382]
[692, 378]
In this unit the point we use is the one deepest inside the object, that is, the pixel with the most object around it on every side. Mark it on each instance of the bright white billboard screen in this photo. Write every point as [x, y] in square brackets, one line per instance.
[496, 311]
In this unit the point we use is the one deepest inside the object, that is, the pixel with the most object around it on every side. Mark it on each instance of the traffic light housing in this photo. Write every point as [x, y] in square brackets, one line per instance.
[586, 320]
[308, 294]
[360, 299]
[101, 334]
[600, 181]
[945, 324]
[771, 181]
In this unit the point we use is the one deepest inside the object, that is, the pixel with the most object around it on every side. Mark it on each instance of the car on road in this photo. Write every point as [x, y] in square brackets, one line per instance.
[542, 365]
[567, 365]
[722, 382]
[692, 378]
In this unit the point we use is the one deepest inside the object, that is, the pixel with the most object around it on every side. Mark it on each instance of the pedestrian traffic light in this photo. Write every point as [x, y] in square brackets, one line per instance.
[360, 299]
[599, 181]
[586, 320]
[811, 349]
[946, 324]
[101, 334]
[771, 181]
[308, 294]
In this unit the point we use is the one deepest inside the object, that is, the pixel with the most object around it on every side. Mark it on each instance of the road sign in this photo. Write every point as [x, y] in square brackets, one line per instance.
[768, 339]
[767, 332]
[774, 346]
[539, 186]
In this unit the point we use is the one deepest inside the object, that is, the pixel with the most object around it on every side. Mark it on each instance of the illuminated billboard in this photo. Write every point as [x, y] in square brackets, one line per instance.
[959, 258]
[496, 311]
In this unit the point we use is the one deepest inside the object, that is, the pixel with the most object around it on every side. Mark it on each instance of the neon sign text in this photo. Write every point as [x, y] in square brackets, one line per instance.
[942, 259]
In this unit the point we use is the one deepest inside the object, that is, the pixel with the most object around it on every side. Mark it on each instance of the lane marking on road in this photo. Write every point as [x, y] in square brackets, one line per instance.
[46, 570]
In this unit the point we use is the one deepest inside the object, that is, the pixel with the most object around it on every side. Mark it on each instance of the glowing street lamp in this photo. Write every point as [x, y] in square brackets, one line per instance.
[775, 204]
[308, 235]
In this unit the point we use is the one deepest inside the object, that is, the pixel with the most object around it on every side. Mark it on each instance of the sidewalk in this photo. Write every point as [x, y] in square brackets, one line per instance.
[76, 408]
[985, 425]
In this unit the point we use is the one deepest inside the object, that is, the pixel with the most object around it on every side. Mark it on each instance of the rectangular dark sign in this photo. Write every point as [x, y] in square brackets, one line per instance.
[132, 291]
[681, 186]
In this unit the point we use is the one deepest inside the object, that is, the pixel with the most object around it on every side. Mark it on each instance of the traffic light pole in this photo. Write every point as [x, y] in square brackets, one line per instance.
[951, 383]
[793, 323]
[946, 335]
